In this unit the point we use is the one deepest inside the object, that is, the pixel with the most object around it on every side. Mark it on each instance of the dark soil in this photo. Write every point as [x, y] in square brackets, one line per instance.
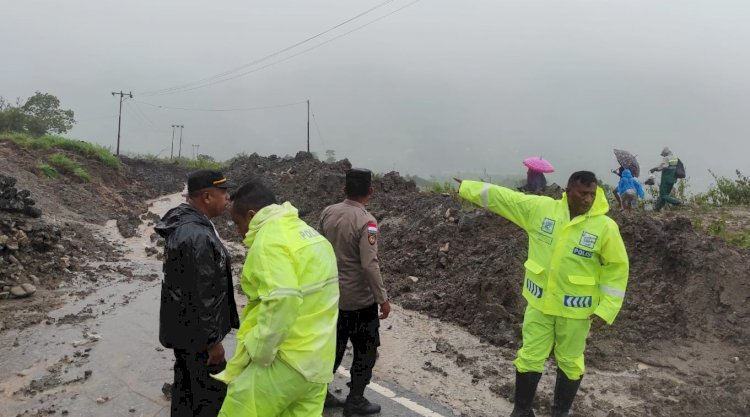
[458, 263]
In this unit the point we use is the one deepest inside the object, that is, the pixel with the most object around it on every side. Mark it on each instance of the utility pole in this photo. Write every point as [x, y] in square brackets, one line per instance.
[308, 126]
[119, 118]
[171, 153]
[179, 151]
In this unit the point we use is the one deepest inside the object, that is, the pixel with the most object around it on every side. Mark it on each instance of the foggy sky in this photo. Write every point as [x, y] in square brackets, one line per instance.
[439, 87]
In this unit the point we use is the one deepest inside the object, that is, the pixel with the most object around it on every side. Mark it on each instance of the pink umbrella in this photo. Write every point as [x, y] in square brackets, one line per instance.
[538, 165]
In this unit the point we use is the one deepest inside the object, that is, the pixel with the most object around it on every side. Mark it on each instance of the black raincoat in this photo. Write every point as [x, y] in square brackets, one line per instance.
[197, 298]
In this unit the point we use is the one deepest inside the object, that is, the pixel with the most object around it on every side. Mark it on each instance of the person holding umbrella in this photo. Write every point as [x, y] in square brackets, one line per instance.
[535, 179]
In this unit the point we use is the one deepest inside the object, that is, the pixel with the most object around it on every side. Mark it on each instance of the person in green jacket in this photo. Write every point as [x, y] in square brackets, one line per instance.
[286, 343]
[576, 276]
[668, 168]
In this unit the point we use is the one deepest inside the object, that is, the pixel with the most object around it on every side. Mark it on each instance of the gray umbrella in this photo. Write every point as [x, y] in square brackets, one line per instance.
[628, 160]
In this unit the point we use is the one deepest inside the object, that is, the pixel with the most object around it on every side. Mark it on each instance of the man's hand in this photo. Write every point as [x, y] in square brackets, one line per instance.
[385, 310]
[216, 355]
[597, 322]
[652, 170]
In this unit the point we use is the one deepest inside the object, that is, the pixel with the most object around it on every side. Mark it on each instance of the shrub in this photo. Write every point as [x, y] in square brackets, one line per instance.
[66, 164]
[48, 170]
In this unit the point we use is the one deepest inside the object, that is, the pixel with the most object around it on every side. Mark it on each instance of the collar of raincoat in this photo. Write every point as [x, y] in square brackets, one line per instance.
[266, 214]
[599, 208]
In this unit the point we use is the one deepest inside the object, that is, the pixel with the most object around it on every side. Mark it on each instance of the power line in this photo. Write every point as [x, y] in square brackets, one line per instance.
[174, 89]
[315, 121]
[221, 110]
[141, 114]
[242, 74]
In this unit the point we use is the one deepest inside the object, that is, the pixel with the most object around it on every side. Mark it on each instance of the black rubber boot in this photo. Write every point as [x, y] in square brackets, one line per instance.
[565, 393]
[331, 401]
[526, 383]
[358, 405]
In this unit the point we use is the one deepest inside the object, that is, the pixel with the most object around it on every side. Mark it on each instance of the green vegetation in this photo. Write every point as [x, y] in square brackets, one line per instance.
[66, 164]
[726, 192]
[49, 142]
[719, 229]
[39, 115]
[200, 163]
[48, 170]
[443, 188]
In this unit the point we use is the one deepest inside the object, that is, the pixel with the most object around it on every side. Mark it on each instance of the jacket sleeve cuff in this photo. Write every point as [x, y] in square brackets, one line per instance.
[607, 317]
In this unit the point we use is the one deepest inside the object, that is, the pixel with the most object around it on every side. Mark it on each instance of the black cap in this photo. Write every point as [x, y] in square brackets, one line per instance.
[359, 175]
[206, 178]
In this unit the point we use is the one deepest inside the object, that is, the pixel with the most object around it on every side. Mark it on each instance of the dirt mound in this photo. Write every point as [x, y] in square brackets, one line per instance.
[462, 264]
[111, 193]
[37, 255]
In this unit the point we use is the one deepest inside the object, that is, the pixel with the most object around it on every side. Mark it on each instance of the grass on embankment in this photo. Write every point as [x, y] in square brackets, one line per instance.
[50, 142]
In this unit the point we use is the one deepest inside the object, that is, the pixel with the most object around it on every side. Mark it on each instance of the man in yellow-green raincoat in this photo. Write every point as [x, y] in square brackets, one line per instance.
[287, 338]
[576, 275]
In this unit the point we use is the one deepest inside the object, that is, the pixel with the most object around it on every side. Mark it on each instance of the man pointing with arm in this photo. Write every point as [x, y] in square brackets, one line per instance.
[576, 275]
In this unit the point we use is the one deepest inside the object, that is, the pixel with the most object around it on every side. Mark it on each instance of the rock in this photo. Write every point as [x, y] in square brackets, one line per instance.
[102, 400]
[151, 251]
[414, 279]
[18, 292]
[3, 240]
[59, 248]
[12, 244]
[735, 359]
[35, 279]
[445, 248]
[14, 260]
[64, 261]
[20, 235]
[34, 212]
[30, 289]
[166, 389]
[447, 214]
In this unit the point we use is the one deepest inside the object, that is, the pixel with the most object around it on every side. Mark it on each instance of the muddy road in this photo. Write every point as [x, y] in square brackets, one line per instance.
[99, 355]
[95, 351]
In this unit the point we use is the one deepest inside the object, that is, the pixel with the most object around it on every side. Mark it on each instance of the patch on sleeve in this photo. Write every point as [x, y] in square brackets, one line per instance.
[372, 232]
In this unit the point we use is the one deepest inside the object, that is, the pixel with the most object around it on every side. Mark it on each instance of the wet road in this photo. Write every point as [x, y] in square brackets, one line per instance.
[100, 355]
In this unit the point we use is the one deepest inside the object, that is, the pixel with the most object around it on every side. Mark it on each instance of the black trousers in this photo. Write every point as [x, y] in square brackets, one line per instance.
[362, 328]
[194, 392]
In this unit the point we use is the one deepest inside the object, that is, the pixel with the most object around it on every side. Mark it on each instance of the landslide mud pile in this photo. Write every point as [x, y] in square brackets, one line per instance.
[459, 263]
[684, 328]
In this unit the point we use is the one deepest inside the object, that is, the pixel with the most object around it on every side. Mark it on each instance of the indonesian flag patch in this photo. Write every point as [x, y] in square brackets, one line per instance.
[372, 232]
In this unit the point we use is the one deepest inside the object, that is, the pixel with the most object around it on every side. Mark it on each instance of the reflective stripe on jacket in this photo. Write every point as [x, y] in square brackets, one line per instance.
[575, 267]
[291, 282]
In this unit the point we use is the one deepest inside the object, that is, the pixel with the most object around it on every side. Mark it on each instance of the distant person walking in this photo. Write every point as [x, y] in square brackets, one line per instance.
[535, 182]
[197, 299]
[668, 168]
[353, 232]
[629, 190]
[576, 275]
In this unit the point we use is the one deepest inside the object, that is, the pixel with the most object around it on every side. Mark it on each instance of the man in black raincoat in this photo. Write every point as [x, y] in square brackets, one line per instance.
[197, 299]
